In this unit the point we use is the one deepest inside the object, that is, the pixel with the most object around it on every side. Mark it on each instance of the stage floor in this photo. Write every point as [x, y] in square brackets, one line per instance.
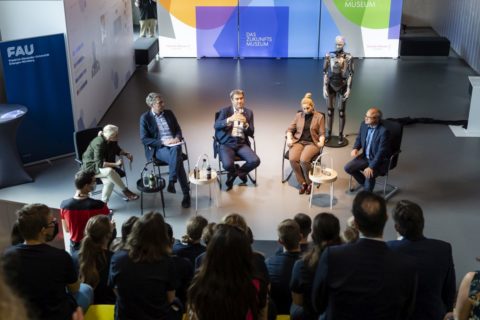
[436, 169]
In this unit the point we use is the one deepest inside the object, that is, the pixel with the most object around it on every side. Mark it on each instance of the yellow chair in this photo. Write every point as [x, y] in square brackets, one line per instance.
[100, 312]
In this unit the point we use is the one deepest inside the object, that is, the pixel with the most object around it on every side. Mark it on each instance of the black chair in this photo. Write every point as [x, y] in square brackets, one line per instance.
[81, 140]
[216, 155]
[159, 163]
[395, 130]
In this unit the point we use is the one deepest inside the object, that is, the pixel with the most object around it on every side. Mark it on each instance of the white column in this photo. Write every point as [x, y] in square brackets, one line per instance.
[473, 128]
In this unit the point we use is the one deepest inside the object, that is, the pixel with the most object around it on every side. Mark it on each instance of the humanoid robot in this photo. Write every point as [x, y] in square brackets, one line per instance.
[337, 81]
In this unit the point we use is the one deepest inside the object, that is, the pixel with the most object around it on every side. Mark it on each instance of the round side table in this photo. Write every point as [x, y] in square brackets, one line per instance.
[145, 189]
[12, 171]
[201, 182]
[327, 176]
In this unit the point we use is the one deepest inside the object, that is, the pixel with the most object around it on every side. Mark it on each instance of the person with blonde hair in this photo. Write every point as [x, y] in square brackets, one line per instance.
[100, 158]
[305, 139]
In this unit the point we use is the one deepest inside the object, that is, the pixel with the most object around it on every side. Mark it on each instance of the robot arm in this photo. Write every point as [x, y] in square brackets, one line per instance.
[349, 74]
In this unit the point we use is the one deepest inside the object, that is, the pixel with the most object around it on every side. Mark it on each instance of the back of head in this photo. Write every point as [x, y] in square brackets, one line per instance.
[208, 232]
[127, 227]
[409, 221]
[289, 234]
[148, 241]
[326, 232]
[169, 228]
[305, 224]
[222, 288]
[32, 218]
[326, 228]
[195, 227]
[234, 219]
[98, 231]
[370, 213]
[83, 178]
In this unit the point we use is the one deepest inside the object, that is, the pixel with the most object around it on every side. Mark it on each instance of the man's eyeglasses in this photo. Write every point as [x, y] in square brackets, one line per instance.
[369, 117]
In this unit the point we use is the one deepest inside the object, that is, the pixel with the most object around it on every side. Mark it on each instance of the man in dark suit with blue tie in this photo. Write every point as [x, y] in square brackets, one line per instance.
[161, 134]
[365, 279]
[373, 139]
[434, 262]
[233, 126]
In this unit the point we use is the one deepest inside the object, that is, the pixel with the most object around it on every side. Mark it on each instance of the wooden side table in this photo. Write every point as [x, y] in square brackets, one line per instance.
[201, 182]
[327, 176]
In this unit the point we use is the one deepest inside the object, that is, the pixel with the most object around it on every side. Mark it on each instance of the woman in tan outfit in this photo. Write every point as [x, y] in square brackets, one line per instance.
[305, 138]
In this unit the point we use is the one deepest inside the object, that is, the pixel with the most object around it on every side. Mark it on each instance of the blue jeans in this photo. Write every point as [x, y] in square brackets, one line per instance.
[227, 156]
[173, 156]
[84, 296]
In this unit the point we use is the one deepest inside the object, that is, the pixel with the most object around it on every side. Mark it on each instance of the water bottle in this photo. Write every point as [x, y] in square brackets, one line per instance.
[196, 173]
[146, 178]
[209, 172]
[151, 181]
[203, 175]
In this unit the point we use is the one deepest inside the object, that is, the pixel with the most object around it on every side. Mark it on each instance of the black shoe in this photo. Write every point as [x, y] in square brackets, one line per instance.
[186, 201]
[244, 179]
[230, 179]
[171, 187]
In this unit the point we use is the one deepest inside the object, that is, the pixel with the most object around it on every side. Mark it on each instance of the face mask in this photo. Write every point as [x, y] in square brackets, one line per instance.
[49, 237]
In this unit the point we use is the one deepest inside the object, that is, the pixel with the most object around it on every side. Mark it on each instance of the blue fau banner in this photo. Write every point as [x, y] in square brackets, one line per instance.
[263, 32]
[36, 76]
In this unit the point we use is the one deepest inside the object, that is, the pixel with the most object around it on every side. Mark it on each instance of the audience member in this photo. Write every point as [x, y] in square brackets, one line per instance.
[76, 211]
[350, 234]
[11, 306]
[434, 262]
[365, 279]
[326, 232]
[100, 157]
[207, 234]
[226, 286]
[305, 224]
[143, 275]
[280, 265]
[148, 17]
[94, 258]
[126, 229]
[467, 306]
[373, 139]
[184, 270]
[305, 139]
[162, 137]
[232, 128]
[44, 276]
[190, 247]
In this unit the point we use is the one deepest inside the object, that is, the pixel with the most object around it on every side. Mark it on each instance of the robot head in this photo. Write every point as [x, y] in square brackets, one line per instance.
[339, 43]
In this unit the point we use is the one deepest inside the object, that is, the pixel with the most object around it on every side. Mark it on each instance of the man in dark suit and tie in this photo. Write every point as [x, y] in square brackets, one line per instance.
[373, 139]
[161, 134]
[434, 262]
[233, 126]
[365, 279]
